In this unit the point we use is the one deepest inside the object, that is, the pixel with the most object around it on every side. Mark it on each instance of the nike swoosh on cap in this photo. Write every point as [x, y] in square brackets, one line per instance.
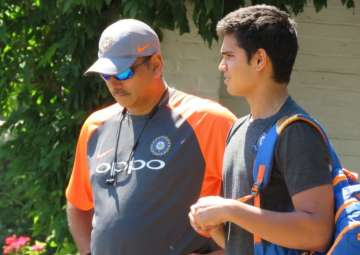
[142, 48]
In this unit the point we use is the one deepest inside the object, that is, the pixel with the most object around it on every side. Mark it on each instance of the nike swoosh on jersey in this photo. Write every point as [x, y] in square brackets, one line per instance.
[103, 154]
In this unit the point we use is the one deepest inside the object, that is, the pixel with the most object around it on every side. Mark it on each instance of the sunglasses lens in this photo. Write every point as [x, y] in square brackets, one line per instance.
[127, 74]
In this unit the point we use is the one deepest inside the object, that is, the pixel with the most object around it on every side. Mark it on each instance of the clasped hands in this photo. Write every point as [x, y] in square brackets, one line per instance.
[208, 214]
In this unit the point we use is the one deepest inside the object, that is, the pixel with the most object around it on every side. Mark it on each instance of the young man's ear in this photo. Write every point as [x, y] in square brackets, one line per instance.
[260, 59]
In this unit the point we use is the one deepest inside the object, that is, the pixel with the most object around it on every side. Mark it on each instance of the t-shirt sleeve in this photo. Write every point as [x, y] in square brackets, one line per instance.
[303, 158]
[79, 191]
[213, 137]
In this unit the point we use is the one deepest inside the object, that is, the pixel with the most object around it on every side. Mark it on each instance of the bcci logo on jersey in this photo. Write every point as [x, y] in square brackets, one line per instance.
[160, 146]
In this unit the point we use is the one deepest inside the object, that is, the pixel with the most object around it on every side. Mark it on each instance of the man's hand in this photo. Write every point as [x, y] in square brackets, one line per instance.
[208, 213]
[207, 216]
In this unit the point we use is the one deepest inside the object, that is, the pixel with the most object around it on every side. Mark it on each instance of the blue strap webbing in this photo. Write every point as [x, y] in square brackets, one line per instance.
[267, 145]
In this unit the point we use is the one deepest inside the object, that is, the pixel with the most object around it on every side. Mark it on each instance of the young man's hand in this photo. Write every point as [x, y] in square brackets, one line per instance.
[208, 213]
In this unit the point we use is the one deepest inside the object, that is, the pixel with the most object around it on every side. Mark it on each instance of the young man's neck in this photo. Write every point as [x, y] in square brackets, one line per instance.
[267, 100]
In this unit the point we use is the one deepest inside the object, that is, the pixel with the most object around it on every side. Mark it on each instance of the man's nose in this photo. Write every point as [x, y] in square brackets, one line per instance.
[222, 66]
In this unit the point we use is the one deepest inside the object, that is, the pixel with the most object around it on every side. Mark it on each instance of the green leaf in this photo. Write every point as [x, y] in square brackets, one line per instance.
[130, 8]
[53, 244]
[209, 5]
[67, 5]
[49, 53]
[36, 219]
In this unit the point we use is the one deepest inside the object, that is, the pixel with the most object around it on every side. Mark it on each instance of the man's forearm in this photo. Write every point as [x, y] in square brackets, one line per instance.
[308, 227]
[80, 227]
[294, 230]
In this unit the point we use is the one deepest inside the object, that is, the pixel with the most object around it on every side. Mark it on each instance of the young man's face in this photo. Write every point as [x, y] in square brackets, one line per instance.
[239, 75]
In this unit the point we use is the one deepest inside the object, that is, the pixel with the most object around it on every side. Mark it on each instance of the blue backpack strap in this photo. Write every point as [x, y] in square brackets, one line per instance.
[264, 160]
[267, 144]
[345, 185]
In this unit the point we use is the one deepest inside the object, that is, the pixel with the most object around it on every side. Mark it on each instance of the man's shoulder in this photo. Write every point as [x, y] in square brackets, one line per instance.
[301, 130]
[237, 124]
[100, 116]
[240, 121]
[196, 104]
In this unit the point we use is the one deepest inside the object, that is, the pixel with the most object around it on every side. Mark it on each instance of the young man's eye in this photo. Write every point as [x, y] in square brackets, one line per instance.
[225, 57]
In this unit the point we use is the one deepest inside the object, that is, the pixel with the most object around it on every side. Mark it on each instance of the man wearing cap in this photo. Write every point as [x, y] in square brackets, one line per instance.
[141, 162]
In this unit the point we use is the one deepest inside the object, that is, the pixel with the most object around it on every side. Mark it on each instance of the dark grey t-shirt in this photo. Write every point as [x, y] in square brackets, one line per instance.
[300, 163]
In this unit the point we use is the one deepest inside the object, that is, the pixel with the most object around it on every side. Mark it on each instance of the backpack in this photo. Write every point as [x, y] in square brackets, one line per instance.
[346, 237]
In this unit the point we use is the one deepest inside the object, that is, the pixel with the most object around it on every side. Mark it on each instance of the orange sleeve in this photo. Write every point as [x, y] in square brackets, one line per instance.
[79, 191]
[212, 130]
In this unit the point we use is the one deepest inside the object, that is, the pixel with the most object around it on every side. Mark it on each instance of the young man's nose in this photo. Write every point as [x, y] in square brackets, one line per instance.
[222, 66]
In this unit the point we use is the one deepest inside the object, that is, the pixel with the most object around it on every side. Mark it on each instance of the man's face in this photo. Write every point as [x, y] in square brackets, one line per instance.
[239, 75]
[134, 92]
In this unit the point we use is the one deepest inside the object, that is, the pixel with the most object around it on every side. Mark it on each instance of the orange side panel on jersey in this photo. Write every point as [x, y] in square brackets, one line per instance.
[211, 124]
[212, 138]
[79, 192]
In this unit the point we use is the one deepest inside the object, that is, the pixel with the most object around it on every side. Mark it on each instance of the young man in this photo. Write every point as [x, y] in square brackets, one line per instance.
[258, 53]
[143, 161]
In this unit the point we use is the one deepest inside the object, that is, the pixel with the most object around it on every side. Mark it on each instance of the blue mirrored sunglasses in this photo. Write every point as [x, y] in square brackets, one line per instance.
[127, 74]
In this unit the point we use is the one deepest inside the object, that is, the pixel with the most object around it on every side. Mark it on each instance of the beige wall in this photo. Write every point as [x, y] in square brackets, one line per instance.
[326, 78]
[190, 64]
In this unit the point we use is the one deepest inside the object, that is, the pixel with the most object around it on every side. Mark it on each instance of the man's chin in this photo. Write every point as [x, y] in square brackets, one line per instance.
[230, 91]
[123, 101]
[233, 92]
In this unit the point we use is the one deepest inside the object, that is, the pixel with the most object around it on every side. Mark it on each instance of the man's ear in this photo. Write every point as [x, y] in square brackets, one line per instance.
[260, 59]
[157, 65]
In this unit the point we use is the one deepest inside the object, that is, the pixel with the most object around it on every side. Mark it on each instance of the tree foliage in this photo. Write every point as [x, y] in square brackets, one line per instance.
[45, 45]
